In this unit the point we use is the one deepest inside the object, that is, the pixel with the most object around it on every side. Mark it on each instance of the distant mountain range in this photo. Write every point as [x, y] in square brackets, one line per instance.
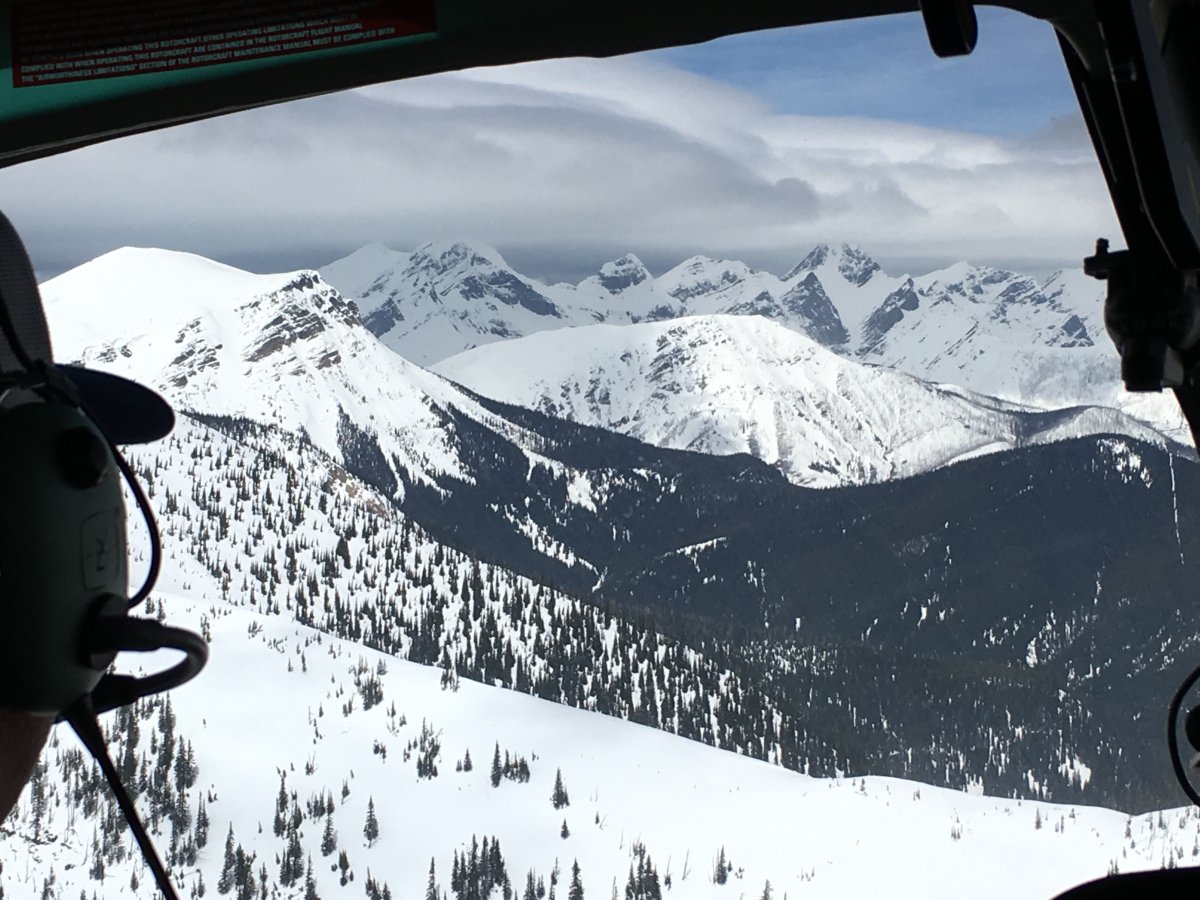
[990, 622]
[1032, 341]
[725, 384]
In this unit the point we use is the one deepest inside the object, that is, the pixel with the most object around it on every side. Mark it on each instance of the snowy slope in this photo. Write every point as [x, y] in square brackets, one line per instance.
[626, 783]
[283, 349]
[745, 384]
[254, 526]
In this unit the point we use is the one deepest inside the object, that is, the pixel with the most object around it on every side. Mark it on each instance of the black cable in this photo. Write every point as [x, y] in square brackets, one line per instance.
[114, 634]
[82, 718]
[1173, 735]
[143, 503]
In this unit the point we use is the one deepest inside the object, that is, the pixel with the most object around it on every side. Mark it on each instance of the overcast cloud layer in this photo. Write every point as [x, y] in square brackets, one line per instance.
[562, 165]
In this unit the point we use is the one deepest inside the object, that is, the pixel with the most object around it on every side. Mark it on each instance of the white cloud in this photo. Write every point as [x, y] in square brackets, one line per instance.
[560, 164]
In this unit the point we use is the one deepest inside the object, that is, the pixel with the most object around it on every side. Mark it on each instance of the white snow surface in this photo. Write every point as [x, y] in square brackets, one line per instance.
[289, 349]
[271, 699]
[270, 702]
[745, 384]
[284, 349]
[1036, 341]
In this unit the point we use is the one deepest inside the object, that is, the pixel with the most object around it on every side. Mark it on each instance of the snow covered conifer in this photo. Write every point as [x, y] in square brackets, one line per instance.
[720, 868]
[225, 882]
[431, 890]
[371, 827]
[565, 832]
[201, 824]
[497, 770]
[576, 890]
[329, 838]
[559, 798]
[310, 886]
[281, 805]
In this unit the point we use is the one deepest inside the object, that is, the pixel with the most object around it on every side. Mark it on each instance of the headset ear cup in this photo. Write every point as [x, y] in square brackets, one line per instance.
[62, 553]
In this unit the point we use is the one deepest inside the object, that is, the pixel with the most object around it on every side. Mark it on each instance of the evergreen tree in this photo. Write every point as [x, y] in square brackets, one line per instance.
[291, 866]
[559, 798]
[530, 887]
[310, 886]
[225, 882]
[720, 868]
[564, 832]
[329, 838]
[497, 771]
[643, 881]
[766, 894]
[428, 748]
[496, 864]
[281, 805]
[201, 824]
[471, 882]
[431, 889]
[37, 798]
[371, 827]
[467, 764]
[243, 874]
[457, 876]
[576, 890]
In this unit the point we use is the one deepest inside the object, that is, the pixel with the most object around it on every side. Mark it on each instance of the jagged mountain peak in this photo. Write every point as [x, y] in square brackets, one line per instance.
[700, 276]
[814, 259]
[364, 272]
[856, 266]
[813, 312]
[700, 262]
[622, 274]
[851, 262]
[444, 257]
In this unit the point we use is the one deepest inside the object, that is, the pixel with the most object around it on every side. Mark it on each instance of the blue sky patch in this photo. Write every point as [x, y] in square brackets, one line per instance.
[882, 68]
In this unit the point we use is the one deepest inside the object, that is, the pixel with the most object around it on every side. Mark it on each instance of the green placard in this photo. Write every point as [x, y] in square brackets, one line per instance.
[63, 54]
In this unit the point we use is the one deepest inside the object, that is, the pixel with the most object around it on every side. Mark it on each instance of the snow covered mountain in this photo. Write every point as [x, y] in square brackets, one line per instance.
[443, 298]
[282, 349]
[339, 753]
[1039, 342]
[316, 717]
[822, 588]
[745, 384]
